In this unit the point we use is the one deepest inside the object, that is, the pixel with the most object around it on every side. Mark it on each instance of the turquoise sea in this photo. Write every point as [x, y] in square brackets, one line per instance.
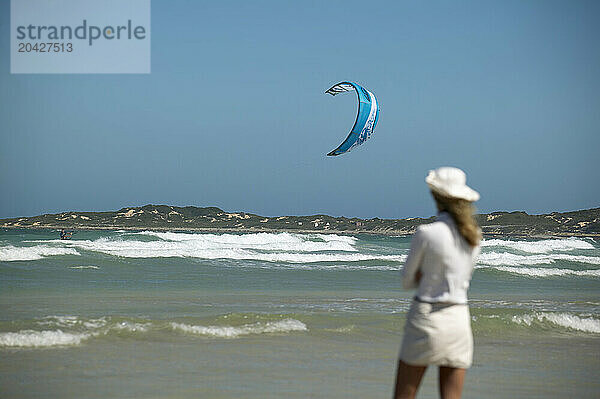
[124, 314]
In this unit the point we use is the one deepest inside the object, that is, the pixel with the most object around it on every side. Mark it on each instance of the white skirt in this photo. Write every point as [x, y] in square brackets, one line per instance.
[437, 334]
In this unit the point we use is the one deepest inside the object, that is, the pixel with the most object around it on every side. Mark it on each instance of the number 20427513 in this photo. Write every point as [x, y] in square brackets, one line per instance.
[45, 47]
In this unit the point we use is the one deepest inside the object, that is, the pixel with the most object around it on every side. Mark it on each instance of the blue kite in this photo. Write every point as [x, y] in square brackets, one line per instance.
[366, 119]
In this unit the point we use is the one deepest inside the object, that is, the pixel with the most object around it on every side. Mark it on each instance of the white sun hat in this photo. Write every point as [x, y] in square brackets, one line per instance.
[451, 182]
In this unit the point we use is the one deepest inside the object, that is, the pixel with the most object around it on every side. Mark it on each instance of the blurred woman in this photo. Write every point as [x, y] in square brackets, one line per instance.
[439, 266]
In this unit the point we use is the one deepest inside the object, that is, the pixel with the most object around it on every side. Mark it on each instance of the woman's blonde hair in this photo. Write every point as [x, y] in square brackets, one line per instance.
[462, 213]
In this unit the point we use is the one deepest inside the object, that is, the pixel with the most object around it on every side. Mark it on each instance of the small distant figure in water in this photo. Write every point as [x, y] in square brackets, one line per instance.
[65, 235]
[439, 265]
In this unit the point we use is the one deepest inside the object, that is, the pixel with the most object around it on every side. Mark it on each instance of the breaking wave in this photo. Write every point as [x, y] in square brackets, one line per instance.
[262, 241]
[509, 259]
[72, 322]
[65, 331]
[194, 249]
[37, 339]
[565, 320]
[282, 326]
[311, 251]
[268, 247]
[540, 247]
[547, 272]
[526, 254]
[10, 253]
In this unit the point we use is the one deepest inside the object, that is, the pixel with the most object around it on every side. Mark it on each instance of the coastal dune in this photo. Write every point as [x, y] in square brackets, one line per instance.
[172, 218]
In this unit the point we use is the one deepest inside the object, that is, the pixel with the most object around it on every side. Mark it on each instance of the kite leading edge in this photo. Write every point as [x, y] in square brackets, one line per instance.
[366, 119]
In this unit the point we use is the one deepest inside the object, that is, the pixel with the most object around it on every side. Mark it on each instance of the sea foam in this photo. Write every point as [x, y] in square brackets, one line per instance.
[10, 253]
[269, 247]
[73, 322]
[509, 259]
[282, 326]
[37, 339]
[65, 330]
[263, 241]
[565, 320]
[540, 247]
[547, 272]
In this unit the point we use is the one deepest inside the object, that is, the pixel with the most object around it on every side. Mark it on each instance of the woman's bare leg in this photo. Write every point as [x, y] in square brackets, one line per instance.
[408, 380]
[451, 382]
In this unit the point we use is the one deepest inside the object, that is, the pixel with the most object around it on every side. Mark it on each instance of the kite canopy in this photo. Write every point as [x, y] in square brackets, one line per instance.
[366, 119]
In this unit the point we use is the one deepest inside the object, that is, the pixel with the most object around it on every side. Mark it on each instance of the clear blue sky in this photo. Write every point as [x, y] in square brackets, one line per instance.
[233, 114]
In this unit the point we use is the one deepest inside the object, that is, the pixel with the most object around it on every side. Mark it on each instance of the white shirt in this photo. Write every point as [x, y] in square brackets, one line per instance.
[445, 260]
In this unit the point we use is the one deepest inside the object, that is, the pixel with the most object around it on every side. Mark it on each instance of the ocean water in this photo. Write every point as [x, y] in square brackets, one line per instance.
[123, 314]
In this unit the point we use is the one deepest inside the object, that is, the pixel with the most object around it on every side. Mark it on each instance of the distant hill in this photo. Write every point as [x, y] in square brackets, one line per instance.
[164, 217]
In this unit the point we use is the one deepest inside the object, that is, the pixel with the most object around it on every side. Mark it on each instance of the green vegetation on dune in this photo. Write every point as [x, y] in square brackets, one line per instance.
[164, 217]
